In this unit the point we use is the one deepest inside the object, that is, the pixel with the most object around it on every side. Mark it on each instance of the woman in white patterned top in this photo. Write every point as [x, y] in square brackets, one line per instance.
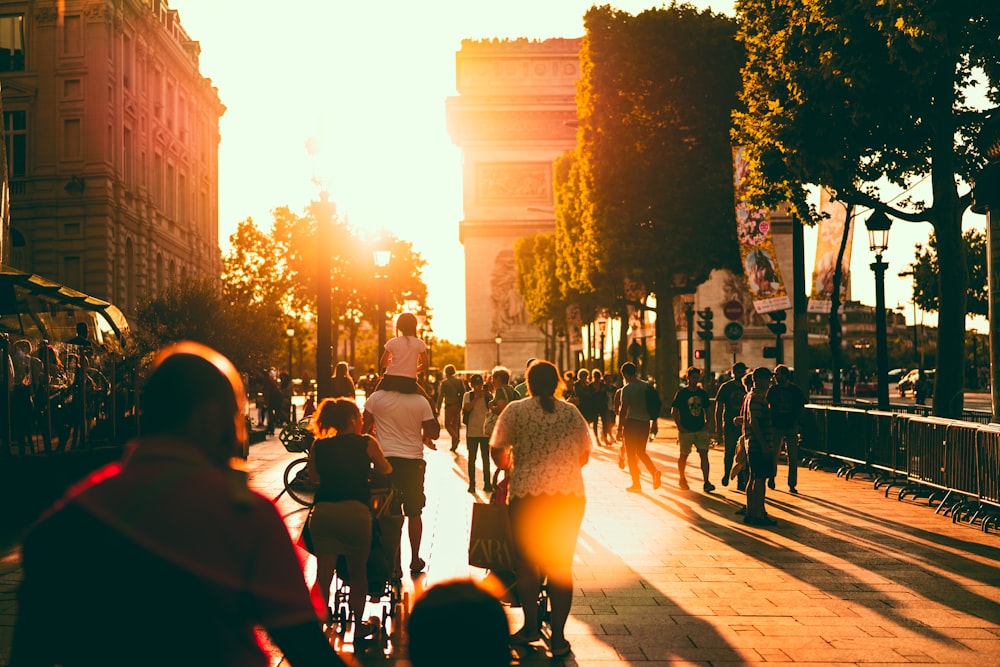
[544, 442]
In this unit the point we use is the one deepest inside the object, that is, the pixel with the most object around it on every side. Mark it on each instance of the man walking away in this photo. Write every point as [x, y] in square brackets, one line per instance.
[689, 412]
[405, 423]
[452, 391]
[728, 401]
[787, 403]
[634, 427]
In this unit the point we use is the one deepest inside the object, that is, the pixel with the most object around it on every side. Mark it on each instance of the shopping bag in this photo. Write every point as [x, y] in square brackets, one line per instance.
[491, 545]
[740, 459]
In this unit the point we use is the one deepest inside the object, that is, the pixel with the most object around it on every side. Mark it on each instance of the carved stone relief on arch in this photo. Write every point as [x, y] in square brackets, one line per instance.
[508, 306]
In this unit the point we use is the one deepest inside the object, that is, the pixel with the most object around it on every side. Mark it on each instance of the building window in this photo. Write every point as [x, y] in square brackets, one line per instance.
[72, 35]
[12, 43]
[16, 142]
[127, 57]
[170, 194]
[130, 277]
[127, 156]
[18, 251]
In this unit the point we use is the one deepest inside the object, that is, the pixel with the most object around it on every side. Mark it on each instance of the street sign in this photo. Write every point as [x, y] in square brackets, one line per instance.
[733, 310]
[734, 347]
[733, 331]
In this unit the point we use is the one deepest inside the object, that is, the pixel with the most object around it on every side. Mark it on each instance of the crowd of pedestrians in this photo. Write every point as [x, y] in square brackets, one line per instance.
[129, 521]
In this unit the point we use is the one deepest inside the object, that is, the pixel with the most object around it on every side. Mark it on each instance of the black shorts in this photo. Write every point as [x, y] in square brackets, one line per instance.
[408, 478]
[761, 463]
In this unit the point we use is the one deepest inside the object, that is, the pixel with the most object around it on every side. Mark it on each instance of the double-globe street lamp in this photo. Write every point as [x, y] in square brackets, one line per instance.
[878, 225]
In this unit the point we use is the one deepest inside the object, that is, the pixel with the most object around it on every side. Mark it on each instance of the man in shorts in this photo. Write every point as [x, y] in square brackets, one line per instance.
[689, 412]
[404, 424]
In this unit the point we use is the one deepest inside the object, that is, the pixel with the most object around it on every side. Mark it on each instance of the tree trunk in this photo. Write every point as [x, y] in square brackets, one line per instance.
[835, 336]
[667, 350]
[953, 272]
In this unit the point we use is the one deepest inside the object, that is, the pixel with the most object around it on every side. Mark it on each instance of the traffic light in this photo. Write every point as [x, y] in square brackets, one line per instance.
[698, 354]
[777, 327]
[770, 352]
[705, 324]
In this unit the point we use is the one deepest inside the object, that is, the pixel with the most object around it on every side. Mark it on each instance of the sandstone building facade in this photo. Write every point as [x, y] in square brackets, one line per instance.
[112, 138]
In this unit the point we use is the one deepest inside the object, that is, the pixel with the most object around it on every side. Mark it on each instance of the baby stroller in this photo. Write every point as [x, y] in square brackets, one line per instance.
[504, 582]
[384, 630]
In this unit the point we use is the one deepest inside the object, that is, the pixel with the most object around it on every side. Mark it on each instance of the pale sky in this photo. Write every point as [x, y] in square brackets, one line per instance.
[373, 78]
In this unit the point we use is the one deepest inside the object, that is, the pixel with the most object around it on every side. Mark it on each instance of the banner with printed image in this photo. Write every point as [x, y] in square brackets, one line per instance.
[760, 262]
[830, 231]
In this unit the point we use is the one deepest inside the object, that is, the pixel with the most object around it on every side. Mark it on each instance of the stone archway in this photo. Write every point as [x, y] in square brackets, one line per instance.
[514, 114]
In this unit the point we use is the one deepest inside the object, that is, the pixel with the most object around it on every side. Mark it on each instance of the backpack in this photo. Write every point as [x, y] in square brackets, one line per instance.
[653, 402]
[452, 388]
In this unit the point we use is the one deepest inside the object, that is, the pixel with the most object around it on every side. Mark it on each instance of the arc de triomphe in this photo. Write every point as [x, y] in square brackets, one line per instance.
[513, 115]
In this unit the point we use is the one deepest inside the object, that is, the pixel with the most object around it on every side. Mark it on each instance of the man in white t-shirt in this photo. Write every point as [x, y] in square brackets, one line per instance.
[404, 424]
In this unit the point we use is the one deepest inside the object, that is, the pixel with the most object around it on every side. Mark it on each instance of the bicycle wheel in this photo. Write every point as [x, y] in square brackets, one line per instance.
[297, 483]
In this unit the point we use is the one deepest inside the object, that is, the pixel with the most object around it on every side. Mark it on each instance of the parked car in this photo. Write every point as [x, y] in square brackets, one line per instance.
[896, 374]
[909, 382]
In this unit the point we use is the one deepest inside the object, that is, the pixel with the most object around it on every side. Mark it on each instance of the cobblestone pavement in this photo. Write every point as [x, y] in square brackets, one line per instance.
[848, 576]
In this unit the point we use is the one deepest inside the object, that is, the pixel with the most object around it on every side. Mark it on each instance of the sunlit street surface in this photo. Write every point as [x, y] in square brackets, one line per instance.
[848, 576]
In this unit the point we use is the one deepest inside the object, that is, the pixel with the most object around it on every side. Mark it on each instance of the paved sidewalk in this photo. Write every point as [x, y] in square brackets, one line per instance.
[673, 577]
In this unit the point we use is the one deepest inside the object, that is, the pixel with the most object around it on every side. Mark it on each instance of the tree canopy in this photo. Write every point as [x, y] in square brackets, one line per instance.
[925, 269]
[647, 196]
[279, 267]
[869, 95]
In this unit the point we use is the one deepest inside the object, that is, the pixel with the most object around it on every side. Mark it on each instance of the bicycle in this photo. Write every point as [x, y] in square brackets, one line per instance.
[298, 438]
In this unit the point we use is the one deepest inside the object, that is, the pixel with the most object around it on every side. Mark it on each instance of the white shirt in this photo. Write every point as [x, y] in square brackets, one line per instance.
[399, 422]
[405, 351]
[546, 447]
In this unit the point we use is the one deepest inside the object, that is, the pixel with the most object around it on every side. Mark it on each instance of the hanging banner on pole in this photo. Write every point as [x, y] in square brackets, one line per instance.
[760, 262]
[830, 231]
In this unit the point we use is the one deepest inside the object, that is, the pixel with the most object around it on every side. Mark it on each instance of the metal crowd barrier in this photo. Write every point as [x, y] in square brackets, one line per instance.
[955, 464]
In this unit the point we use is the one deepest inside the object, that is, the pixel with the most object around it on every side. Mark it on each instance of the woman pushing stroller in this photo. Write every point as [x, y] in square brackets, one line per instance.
[341, 460]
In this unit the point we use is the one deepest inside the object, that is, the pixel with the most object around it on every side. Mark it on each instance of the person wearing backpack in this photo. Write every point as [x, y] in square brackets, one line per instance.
[452, 391]
[634, 423]
[689, 410]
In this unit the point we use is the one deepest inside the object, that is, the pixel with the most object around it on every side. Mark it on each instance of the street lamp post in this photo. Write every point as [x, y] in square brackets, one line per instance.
[324, 211]
[290, 332]
[878, 225]
[382, 255]
[602, 328]
[498, 340]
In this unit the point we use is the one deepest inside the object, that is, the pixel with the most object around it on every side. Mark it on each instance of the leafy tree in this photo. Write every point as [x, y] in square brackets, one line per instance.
[251, 335]
[859, 94]
[444, 352]
[926, 269]
[650, 193]
[280, 267]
